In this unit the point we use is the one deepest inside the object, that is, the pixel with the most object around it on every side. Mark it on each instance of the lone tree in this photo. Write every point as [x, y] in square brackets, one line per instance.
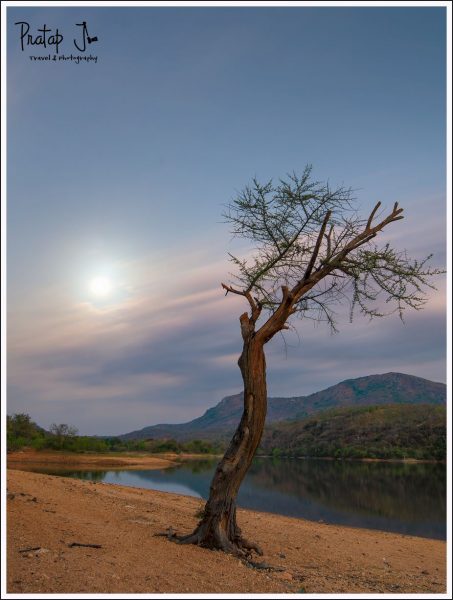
[312, 251]
[62, 433]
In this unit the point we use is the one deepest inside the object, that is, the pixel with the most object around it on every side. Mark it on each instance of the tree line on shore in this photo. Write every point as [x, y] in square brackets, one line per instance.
[389, 431]
[393, 431]
[22, 432]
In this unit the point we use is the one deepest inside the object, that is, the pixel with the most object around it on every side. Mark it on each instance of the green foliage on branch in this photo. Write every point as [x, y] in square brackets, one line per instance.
[309, 239]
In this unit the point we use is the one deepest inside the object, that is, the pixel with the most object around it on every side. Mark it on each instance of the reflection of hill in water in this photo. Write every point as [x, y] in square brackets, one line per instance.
[195, 475]
[409, 498]
[77, 474]
[391, 490]
[406, 498]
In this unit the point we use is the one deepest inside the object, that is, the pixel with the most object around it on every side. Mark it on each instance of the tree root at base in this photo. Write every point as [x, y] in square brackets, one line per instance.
[239, 546]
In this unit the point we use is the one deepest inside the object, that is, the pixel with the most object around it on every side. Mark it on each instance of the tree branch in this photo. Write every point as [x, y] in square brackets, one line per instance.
[329, 242]
[315, 252]
[373, 212]
[254, 305]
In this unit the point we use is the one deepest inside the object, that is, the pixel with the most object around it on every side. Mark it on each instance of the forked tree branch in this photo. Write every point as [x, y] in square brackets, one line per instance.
[255, 304]
[336, 261]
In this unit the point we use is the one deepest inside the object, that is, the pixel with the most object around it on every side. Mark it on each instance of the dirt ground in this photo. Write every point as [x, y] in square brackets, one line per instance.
[46, 514]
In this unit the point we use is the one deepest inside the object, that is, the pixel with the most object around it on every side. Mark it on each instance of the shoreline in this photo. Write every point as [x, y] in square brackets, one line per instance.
[138, 460]
[129, 460]
[123, 469]
[334, 458]
[51, 513]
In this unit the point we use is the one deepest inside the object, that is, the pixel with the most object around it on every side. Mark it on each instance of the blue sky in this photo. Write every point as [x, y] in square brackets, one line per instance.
[121, 169]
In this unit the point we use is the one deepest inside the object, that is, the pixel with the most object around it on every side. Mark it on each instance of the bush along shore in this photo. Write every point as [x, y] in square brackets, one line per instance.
[22, 433]
[393, 431]
[385, 432]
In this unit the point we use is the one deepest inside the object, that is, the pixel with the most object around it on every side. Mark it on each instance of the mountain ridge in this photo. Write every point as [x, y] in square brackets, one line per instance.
[220, 420]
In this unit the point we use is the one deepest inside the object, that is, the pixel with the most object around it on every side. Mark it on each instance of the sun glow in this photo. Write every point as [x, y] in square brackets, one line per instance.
[101, 287]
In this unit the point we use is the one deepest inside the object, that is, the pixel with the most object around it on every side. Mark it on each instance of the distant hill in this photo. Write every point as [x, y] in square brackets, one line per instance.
[221, 420]
[385, 431]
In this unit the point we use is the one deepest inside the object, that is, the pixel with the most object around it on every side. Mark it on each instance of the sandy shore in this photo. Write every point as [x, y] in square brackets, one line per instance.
[46, 514]
[94, 461]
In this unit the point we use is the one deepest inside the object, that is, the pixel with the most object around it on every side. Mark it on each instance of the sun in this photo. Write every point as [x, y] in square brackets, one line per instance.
[101, 287]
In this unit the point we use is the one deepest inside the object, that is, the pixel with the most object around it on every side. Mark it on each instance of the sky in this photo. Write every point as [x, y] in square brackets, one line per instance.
[119, 169]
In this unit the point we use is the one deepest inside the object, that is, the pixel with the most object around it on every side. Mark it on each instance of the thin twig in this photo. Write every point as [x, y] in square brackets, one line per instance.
[77, 544]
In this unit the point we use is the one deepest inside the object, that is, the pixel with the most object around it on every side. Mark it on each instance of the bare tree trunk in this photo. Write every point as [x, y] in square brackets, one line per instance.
[218, 527]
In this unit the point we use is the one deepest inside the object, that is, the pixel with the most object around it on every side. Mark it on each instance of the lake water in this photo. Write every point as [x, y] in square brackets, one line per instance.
[404, 498]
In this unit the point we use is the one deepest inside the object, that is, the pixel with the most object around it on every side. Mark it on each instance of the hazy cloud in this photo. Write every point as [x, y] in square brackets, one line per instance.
[175, 356]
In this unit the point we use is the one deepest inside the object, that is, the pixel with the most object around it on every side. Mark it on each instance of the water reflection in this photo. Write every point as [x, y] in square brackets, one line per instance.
[405, 498]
